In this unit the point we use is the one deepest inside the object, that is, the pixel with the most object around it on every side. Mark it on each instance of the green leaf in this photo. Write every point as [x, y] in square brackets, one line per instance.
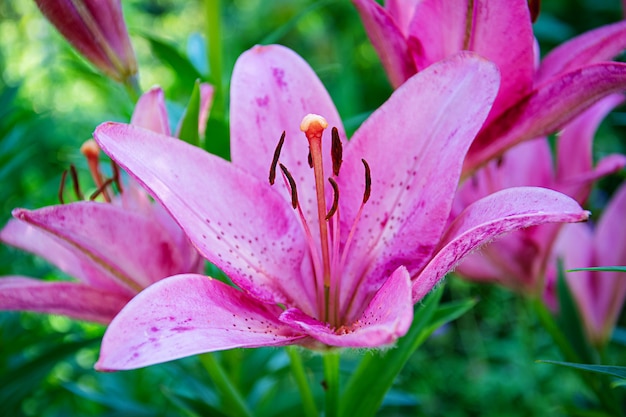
[600, 268]
[20, 381]
[185, 71]
[189, 121]
[570, 323]
[191, 406]
[375, 374]
[217, 136]
[617, 371]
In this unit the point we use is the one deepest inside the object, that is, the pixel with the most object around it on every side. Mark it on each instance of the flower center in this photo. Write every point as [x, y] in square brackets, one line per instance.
[328, 255]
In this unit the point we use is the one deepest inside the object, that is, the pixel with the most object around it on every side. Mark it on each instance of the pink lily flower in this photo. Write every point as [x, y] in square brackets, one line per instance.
[518, 260]
[97, 30]
[534, 100]
[347, 239]
[114, 249]
[599, 295]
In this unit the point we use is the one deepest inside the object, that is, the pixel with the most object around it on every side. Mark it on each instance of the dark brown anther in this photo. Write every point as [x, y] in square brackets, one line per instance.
[279, 147]
[368, 181]
[292, 185]
[333, 208]
[75, 183]
[336, 151]
[62, 187]
[116, 177]
[101, 189]
[534, 6]
[310, 159]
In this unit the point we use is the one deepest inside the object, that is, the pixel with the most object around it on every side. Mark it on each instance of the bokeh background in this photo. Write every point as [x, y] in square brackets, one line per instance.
[51, 100]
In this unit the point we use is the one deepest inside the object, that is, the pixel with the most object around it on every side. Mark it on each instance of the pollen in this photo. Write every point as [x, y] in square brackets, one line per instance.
[313, 125]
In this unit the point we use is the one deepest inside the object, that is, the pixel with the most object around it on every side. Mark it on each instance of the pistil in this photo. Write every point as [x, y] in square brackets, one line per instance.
[313, 126]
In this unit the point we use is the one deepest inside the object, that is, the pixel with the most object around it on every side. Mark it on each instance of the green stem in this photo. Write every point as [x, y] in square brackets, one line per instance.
[131, 84]
[214, 53]
[308, 403]
[229, 392]
[331, 378]
[548, 323]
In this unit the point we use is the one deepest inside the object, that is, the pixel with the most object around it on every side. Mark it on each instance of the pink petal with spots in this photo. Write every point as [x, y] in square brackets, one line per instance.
[186, 315]
[63, 255]
[545, 110]
[415, 144]
[235, 220]
[387, 317]
[492, 216]
[135, 250]
[498, 30]
[272, 89]
[71, 299]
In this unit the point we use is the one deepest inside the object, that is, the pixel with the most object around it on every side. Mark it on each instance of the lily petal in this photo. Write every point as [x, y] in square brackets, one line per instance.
[499, 30]
[75, 263]
[272, 89]
[70, 299]
[388, 40]
[186, 315]
[600, 44]
[610, 250]
[132, 248]
[151, 113]
[546, 109]
[575, 150]
[490, 217]
[235, 220]
[415, 144]
[386, 318]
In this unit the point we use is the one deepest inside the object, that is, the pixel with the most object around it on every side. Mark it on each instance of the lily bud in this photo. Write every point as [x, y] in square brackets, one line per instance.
[97, 30]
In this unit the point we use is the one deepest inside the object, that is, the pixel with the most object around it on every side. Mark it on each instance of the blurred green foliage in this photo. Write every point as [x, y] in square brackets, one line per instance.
[51, 100]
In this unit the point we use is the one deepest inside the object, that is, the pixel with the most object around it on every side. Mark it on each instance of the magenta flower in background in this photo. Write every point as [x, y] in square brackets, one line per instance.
[599, 295]
[534, 99]
[114, 249]
[97, 30]
[519, 260]
[348, 237]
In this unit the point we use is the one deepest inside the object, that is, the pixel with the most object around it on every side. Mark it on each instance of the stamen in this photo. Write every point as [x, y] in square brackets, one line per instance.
[368, 181]
[101, 190]
[91, 150]
[62, 187]
[310, 159]
[292, 185]
[75, 183]
[279, 147]
[116, 176]
[534, 6]
[336, 151]
[333, 208]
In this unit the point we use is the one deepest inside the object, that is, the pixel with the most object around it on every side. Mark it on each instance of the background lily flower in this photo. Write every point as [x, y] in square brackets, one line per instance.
[97, 30]
[113, 249]
[337, 251]
[534, 100]
[599, 295]
[519, 260]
